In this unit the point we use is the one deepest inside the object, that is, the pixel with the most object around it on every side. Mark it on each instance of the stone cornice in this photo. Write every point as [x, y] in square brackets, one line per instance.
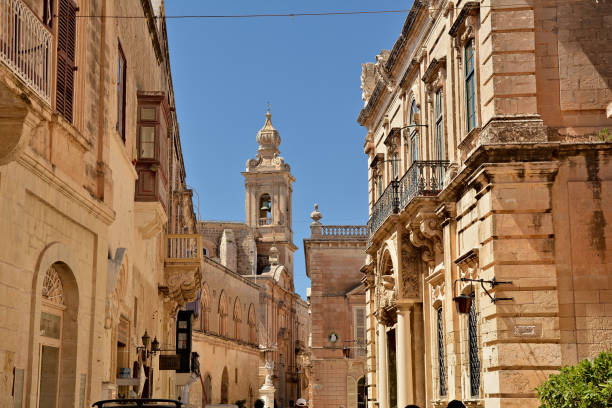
[365, 112]
[150, 15]
[465, 11]
[399, 43]
[75, 194]
[518, 154]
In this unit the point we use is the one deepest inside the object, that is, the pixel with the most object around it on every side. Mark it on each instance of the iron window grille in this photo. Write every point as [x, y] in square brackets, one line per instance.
[441, 365]
[473, 350]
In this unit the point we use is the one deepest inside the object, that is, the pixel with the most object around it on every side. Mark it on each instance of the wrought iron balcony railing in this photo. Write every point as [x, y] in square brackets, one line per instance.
[26, 46]
[424, 178]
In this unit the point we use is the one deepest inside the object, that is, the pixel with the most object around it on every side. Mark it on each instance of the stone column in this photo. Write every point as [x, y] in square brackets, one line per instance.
[405, 394]
[382, 383]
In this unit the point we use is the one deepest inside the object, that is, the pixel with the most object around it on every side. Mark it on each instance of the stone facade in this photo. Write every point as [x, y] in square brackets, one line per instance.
[334, 255]
[92, 196]
[487, 161]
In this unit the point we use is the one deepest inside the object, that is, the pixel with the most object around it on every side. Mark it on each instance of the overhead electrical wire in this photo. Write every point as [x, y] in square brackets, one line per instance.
[291, 15]
[213, 16]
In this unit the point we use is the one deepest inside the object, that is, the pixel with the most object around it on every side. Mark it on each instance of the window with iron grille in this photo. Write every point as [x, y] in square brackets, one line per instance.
[121, 77]
[441, 365]
[470, 90]
[473, 350]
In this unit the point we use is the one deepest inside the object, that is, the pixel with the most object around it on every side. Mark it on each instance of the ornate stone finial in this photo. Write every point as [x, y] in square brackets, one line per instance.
[316, 215]
[268, 138]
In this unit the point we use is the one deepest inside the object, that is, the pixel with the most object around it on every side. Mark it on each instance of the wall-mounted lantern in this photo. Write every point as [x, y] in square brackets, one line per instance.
[463, 302]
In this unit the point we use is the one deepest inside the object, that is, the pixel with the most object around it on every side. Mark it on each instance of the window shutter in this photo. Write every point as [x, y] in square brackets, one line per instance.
[66, 45]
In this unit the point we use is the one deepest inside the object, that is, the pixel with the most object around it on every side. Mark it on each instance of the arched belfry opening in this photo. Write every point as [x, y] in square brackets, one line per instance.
[265, 209]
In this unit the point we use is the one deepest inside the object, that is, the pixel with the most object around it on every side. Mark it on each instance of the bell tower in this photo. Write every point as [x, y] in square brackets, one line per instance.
[268, 187]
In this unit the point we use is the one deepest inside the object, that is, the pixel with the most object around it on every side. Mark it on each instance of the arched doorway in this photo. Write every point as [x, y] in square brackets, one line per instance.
[207, 391]
[224, 386]
[58, 338]
[362, 393]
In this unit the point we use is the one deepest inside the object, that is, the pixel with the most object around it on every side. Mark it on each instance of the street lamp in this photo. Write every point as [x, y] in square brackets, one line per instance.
[148, 353]
[463, 302]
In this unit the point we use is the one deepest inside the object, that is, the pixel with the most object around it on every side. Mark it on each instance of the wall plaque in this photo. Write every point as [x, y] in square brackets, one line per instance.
[525, 331]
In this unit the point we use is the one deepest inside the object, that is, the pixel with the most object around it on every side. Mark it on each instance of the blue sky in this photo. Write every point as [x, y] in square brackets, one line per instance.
[225, 71]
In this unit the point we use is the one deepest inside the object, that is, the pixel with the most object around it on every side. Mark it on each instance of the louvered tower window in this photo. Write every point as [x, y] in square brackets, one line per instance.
[441, 365]
[66, 48]
[473, 355]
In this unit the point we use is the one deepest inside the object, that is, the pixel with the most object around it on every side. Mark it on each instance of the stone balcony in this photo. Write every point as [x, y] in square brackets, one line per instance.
[424, 178]
[183, 267]
[26, 55]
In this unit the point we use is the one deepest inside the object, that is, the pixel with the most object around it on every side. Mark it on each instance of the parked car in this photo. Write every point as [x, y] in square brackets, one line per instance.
[138, 403]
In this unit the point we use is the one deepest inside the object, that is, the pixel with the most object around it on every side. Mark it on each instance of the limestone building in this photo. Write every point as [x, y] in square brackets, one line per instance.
[487, 161]
[99, 243]
[249, 314]
[334, 255]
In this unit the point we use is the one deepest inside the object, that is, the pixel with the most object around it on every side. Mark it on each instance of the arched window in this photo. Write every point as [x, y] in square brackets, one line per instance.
[58, 337]
[252, 321]
[205, 309]
[237, 319]
[223, 314]
[207, 391]
[362, 393]
[224, 386]
[265, 210]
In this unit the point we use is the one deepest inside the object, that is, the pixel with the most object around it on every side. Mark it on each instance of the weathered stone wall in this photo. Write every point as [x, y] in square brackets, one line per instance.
[212, 231]
[333, 268]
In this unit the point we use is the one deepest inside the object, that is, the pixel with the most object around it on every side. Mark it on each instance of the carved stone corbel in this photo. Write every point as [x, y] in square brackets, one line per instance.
[420, 241]
[468, 265]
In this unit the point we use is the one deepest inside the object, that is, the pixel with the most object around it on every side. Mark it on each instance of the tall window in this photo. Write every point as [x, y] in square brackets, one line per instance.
[441, 365]
[51, 317]
[237, 319]
[205, 311]
[152, 142]
[439, 113]
[359, 327]
[379, 186]
[66, 49]
[252, 321]
[474, 358]
[121, 76]
[470, 91]
[414, 134]
[223, 315]
[439, 116]
[395, 165]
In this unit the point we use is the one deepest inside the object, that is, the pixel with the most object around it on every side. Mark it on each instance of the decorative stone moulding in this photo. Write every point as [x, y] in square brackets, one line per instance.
[16, 126]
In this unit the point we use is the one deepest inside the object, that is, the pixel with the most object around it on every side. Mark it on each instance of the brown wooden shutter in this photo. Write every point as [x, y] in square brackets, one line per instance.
[66, 44]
